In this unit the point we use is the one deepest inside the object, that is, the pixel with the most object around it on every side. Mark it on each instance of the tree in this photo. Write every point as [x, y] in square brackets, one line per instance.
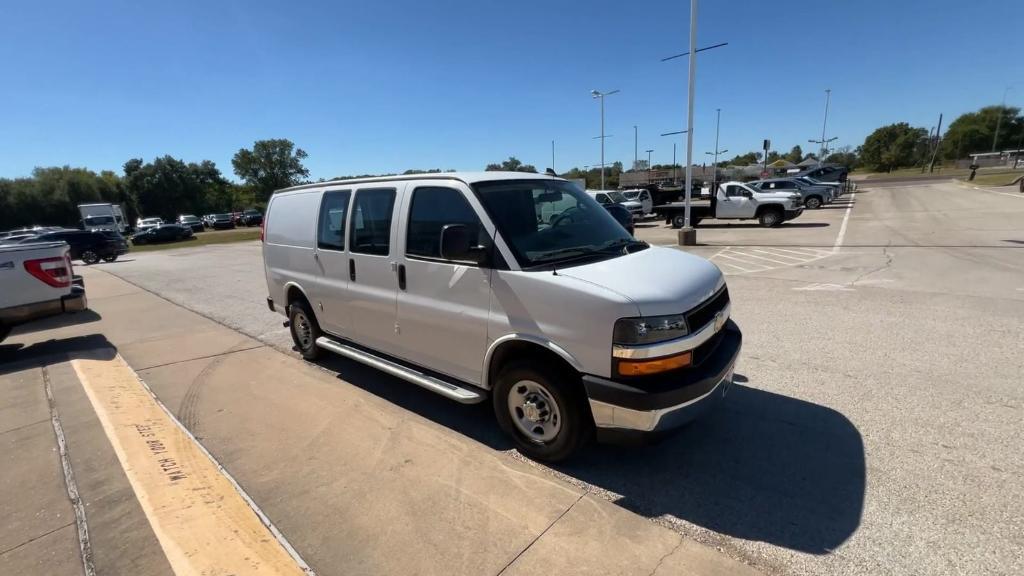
[974, 131]
[893, 146]
[270, 165]
[51, 196]
[744, 159]
[796, 154]
[846, 159]
[167, 187]
[513, 164]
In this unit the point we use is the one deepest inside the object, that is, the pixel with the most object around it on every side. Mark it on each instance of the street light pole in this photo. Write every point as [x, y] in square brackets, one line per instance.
[649, 164]
[824, 123]
[553, 157]
[675, 180]
[634, 146]
[999, 118]
[600, 96]
[692, 82]
[714, 166]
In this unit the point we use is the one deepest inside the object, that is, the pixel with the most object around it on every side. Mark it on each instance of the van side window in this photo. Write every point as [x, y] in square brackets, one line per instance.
[333, 213]
[432, 208]
[371, 221]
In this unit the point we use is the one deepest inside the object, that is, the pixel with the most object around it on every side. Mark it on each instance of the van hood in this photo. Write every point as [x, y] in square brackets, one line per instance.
[658, 280]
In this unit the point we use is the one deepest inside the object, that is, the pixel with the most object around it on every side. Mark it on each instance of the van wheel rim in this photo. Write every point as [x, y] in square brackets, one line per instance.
[534, 411]
[303, 331]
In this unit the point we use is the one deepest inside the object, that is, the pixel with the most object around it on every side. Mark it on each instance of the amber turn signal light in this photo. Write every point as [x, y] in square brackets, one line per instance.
[645, 367]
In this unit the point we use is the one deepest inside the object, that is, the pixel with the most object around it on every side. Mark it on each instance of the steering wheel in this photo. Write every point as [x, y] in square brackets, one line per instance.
[566, 217]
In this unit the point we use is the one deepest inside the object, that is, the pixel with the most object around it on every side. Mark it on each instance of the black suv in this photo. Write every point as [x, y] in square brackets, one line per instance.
[89, 246]
[828, 173]
[251, 218]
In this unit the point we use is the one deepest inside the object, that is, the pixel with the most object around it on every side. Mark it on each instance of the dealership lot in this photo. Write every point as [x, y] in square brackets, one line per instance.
[876, 426]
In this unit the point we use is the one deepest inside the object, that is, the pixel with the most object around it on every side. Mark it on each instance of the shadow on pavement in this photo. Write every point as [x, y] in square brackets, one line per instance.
[783, 225]
[475, 421]
[762, 466]
[15, 356]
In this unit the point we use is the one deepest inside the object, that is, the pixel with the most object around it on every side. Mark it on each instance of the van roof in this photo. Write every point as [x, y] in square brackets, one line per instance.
[466, 177]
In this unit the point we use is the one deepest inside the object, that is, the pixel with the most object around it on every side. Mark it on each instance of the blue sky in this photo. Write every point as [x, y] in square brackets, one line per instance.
[373, 87]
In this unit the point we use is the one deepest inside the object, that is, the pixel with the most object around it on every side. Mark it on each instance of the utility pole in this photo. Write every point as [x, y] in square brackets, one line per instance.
[600, 96]
[634, 146]
[938, 139]
[675, 180]
[824, 123]
[999, 119]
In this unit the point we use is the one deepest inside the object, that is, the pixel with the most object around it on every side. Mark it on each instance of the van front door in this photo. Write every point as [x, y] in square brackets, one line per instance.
[732, 203]
[443, 306]
[372, 282]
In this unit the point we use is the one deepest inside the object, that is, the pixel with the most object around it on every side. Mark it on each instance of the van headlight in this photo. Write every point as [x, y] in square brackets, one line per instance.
[649, 330]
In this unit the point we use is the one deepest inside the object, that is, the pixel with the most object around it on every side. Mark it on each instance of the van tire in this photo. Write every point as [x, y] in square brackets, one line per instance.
[305, 329]
[813, 203]
[770, 218]
[574, 422]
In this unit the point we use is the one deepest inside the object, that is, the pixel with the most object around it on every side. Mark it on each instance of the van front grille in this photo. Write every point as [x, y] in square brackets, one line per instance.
[705, 312]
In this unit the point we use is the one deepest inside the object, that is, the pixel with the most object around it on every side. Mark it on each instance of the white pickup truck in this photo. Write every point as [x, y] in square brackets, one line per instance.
[37, 281]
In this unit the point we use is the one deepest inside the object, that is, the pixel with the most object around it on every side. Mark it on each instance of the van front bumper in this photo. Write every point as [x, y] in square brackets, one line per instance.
[631, 408]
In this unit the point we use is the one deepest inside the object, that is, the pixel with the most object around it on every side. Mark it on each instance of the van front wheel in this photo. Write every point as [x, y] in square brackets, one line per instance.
[541, 410]
[305, 329]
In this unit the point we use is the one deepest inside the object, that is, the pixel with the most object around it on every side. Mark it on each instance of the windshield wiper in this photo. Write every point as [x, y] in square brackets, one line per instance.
[553, 255]
[623, 245]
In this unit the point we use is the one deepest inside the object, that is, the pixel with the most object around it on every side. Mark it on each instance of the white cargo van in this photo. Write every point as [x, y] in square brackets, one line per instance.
[515, 287]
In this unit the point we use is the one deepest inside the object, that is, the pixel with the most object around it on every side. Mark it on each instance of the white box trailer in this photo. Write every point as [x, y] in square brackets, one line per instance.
[103, 217]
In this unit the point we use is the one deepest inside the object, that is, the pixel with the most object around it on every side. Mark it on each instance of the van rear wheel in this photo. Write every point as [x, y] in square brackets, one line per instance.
[304, 329]
[542, 411]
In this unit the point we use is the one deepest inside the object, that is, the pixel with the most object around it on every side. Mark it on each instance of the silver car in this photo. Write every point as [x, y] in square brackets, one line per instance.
[813, 197]
[503, 287]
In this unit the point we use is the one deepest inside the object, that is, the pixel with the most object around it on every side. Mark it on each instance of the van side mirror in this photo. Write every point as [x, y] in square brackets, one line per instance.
[457, 244]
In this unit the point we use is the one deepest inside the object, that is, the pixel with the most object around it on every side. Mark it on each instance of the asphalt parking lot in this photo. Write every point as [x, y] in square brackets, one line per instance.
[877, 426]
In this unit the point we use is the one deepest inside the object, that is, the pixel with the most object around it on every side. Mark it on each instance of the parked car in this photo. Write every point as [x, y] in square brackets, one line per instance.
[251, 218]
[222, 222]
[163, 233]
[736, 201]
[37, 281]
[643, 197]
[826, 173]
[89, 246]
[190, 221]
[143, 224]
[614, 196]
[622, 215]
[813, 196]
[474, 287]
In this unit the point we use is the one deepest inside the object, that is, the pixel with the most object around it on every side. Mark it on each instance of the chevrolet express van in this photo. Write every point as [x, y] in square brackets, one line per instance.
[510, 287]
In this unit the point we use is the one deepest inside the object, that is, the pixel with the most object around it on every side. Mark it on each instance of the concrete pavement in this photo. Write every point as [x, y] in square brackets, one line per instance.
[878, 427]
[348, 477]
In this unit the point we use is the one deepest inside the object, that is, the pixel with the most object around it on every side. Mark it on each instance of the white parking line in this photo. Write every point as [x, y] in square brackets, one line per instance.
[777, 255]
[842, 229]
[768, 259]
[1017, 195]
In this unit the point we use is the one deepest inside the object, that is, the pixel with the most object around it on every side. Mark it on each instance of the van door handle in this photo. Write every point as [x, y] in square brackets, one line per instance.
[352, 270]
[401, 276]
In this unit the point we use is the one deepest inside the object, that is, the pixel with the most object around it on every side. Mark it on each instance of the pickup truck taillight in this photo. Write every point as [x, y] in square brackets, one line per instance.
[54, 271]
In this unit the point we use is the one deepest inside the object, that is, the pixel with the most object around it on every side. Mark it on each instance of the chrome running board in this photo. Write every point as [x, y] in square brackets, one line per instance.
[443, 387]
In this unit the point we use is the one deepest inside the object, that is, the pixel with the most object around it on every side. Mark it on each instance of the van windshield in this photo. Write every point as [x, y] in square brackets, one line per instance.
[552, 221]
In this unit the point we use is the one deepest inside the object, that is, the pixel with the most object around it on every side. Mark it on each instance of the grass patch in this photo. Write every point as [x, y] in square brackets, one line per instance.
[947, 172]
[204, 239]
[998, 179]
